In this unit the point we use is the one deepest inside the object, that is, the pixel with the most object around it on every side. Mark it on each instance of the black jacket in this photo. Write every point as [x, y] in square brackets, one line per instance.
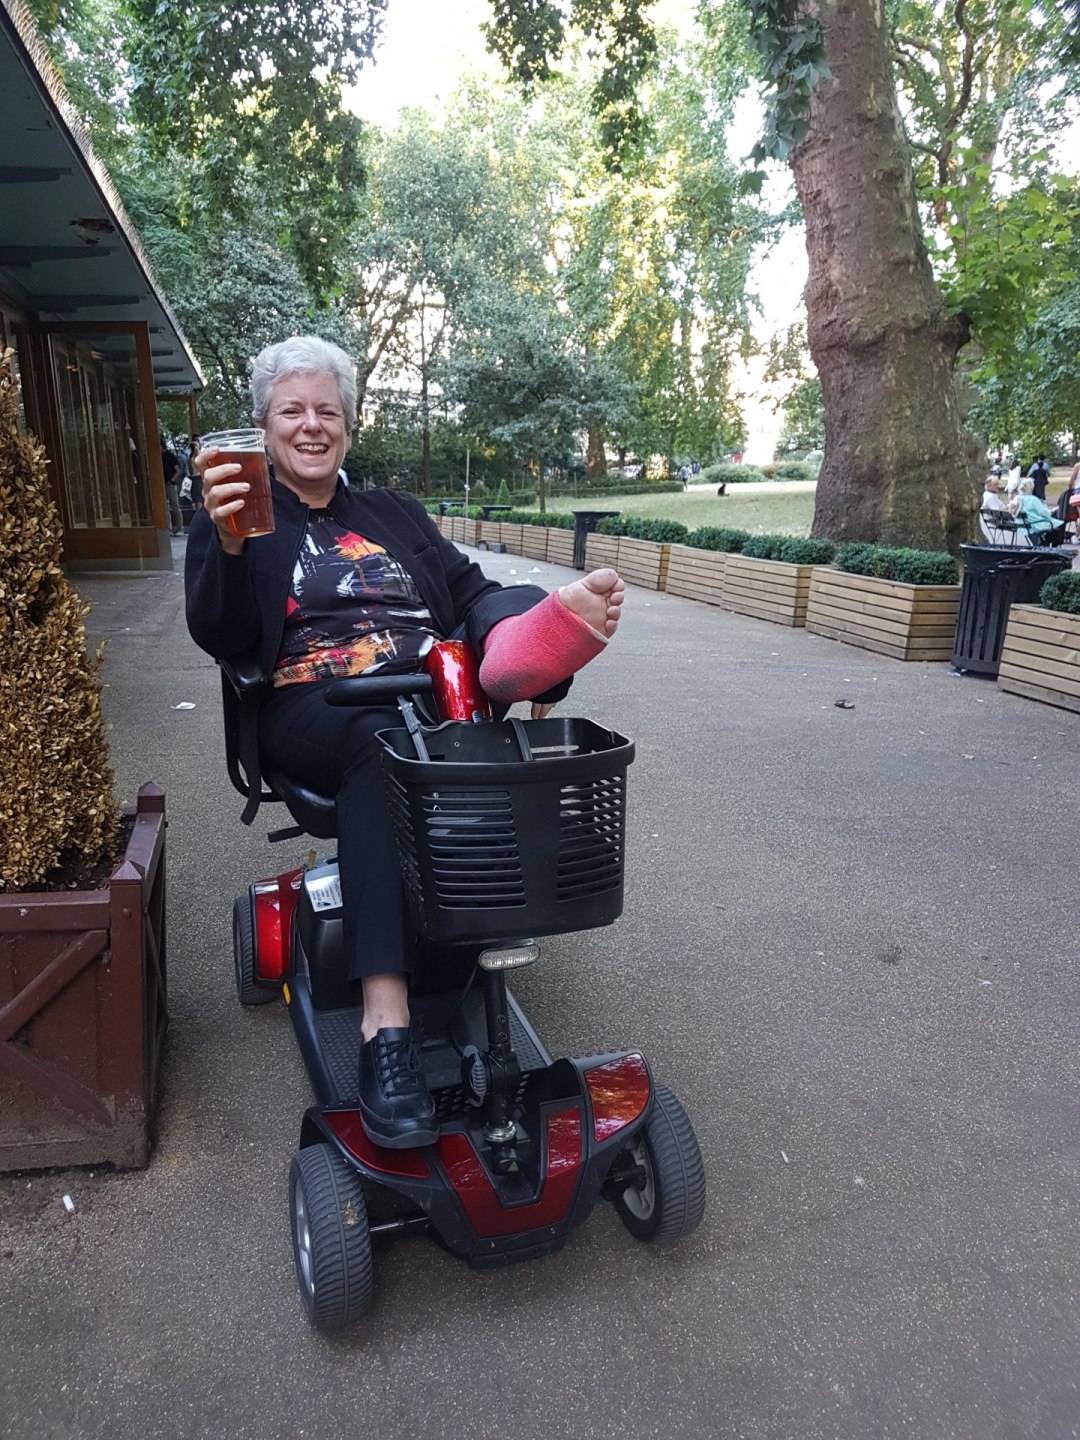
[236, 603]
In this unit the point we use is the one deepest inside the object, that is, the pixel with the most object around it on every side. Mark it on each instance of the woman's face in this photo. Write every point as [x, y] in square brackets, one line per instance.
[307, 435]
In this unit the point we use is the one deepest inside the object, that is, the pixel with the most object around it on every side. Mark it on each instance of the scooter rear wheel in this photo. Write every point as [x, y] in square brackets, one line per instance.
[249, 989]
[331, 1238]
[670, 1202]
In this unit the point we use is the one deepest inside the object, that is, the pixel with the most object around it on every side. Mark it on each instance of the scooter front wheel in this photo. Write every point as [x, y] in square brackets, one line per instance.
[665, 1200]
[331, 1238]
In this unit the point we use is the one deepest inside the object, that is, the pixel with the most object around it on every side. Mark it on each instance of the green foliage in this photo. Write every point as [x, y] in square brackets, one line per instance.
[502, 495]
[1062, 592]
[912, 567]
[791, 51]
[796, 470]
[803, 426]
[637, 527]
[764, 547]
[710, 537]
[806, 552]
[528, 36]
[1002, 250]
[257, 86]
[727, 474]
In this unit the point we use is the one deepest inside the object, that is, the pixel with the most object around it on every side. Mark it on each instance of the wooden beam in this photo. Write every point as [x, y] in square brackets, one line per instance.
[31, 174]
[18, 255]
[64, 304]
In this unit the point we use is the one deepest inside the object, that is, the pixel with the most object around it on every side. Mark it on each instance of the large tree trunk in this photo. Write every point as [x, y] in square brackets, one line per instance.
[596, 456]
[896, 466]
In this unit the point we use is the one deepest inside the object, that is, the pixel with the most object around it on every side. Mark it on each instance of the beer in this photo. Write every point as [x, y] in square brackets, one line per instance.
[257, 516]
[246, 448]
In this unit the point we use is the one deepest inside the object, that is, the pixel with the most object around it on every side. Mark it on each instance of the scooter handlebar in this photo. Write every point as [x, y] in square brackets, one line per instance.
[375, 689]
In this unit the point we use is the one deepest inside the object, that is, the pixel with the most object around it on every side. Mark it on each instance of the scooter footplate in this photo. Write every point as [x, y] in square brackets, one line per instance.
[338, 1034]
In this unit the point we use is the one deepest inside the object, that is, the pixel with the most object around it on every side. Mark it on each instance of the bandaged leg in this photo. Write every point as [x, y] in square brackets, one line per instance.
[525, 655]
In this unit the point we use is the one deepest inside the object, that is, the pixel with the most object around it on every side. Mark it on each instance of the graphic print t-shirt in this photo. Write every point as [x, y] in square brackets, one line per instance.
[352, 609]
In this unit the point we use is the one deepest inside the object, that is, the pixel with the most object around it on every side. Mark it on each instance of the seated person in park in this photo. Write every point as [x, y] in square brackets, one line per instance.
[350, 583]
[1040, 519]
[1067, 508]
[991, 499]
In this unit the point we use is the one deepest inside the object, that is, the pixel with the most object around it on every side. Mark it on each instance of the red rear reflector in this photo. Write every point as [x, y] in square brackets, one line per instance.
[619, 1092]
[274, 901]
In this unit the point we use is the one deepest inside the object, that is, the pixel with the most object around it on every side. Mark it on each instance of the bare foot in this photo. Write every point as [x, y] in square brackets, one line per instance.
[597, 599]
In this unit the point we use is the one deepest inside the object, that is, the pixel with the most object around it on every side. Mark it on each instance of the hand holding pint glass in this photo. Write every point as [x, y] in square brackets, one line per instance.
[246, 448]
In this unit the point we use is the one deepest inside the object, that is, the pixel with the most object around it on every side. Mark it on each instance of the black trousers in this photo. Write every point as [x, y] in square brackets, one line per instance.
[333, 749]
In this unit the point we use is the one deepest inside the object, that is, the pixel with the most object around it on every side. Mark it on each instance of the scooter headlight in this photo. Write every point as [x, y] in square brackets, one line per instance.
[509, 957]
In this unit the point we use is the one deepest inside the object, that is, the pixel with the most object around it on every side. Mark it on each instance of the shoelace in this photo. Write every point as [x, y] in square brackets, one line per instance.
[398, 1065]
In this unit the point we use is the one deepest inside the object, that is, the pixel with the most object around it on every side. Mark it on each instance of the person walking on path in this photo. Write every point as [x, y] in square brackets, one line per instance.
[1040, 474]
[170, 468]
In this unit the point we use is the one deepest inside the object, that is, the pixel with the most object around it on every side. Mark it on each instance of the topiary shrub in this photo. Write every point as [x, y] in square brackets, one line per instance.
[764, 547]
[1062, 592]
[727, 474]
[56, 786]
[612, 525]
[663, 532]
[712, 538]
[910, 567]
[798, 551]
[795, 470]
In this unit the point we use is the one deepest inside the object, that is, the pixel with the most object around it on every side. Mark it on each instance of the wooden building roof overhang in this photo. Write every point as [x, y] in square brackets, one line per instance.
[68, 251]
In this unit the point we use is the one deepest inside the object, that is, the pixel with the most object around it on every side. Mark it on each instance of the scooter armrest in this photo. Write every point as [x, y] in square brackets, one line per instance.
[375, 689]
[245, 675]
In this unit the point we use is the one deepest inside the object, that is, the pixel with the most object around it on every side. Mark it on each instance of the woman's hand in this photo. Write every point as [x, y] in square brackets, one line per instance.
[222, 495]
[541, 712]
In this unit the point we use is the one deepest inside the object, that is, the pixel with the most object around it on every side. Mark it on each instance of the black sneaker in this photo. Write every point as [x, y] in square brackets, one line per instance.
[395, 1105]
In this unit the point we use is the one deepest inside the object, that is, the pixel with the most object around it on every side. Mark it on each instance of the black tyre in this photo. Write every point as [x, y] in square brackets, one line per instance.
[331, 1239]
[249, 990]
[666, 1200]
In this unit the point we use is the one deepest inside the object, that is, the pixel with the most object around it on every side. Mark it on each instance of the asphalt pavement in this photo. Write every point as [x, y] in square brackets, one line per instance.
[849, 946]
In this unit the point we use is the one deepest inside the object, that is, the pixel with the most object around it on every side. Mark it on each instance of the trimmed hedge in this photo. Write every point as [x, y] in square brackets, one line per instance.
[1062, 592]
[636, 527]
[910, 567]
[547, 519]
[793, 549]
[710, 537]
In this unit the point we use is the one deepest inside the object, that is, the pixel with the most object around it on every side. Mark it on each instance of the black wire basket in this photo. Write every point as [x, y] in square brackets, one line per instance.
[511, 830]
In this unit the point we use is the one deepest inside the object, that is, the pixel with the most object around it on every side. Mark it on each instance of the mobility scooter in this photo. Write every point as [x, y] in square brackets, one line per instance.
[506, 831]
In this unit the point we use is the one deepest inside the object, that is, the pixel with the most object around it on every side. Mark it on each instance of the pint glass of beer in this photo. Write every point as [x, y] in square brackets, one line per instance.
[246, 448]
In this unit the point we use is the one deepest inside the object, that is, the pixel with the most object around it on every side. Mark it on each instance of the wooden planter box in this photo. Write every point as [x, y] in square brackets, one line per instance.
[643, 562]
[489, 532]
[601, 550]
[696, 574]
[534, 541]
[1040, 657]
[510, 535]
[908, 622]
[767, 589]
[83, 1011]
[446, 526]
[560, 547]
[464, 532]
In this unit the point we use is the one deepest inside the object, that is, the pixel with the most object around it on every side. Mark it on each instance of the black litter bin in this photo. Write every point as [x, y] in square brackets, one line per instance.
[585, 523]
[995, 578]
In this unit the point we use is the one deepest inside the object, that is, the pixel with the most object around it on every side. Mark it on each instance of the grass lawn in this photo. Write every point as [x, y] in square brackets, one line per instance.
[769, 508]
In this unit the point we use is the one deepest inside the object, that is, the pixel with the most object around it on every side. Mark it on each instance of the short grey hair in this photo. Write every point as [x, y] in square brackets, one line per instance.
[302, 355]
[1027, 485]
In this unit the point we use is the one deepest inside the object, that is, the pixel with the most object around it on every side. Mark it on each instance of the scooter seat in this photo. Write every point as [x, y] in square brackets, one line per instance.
[313, 812]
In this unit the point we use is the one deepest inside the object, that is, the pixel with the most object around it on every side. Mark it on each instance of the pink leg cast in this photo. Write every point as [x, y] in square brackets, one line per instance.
[527, 654]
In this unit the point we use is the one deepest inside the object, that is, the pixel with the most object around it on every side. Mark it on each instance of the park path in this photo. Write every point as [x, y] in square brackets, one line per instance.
[849, 946]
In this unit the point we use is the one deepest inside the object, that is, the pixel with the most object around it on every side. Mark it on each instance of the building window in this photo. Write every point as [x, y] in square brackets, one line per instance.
[104, 464]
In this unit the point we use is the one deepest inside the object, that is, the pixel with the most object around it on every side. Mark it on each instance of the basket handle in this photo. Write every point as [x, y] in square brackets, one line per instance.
[522, 738]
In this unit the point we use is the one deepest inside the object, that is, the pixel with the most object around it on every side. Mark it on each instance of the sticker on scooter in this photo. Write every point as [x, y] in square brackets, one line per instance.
[325, 892]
